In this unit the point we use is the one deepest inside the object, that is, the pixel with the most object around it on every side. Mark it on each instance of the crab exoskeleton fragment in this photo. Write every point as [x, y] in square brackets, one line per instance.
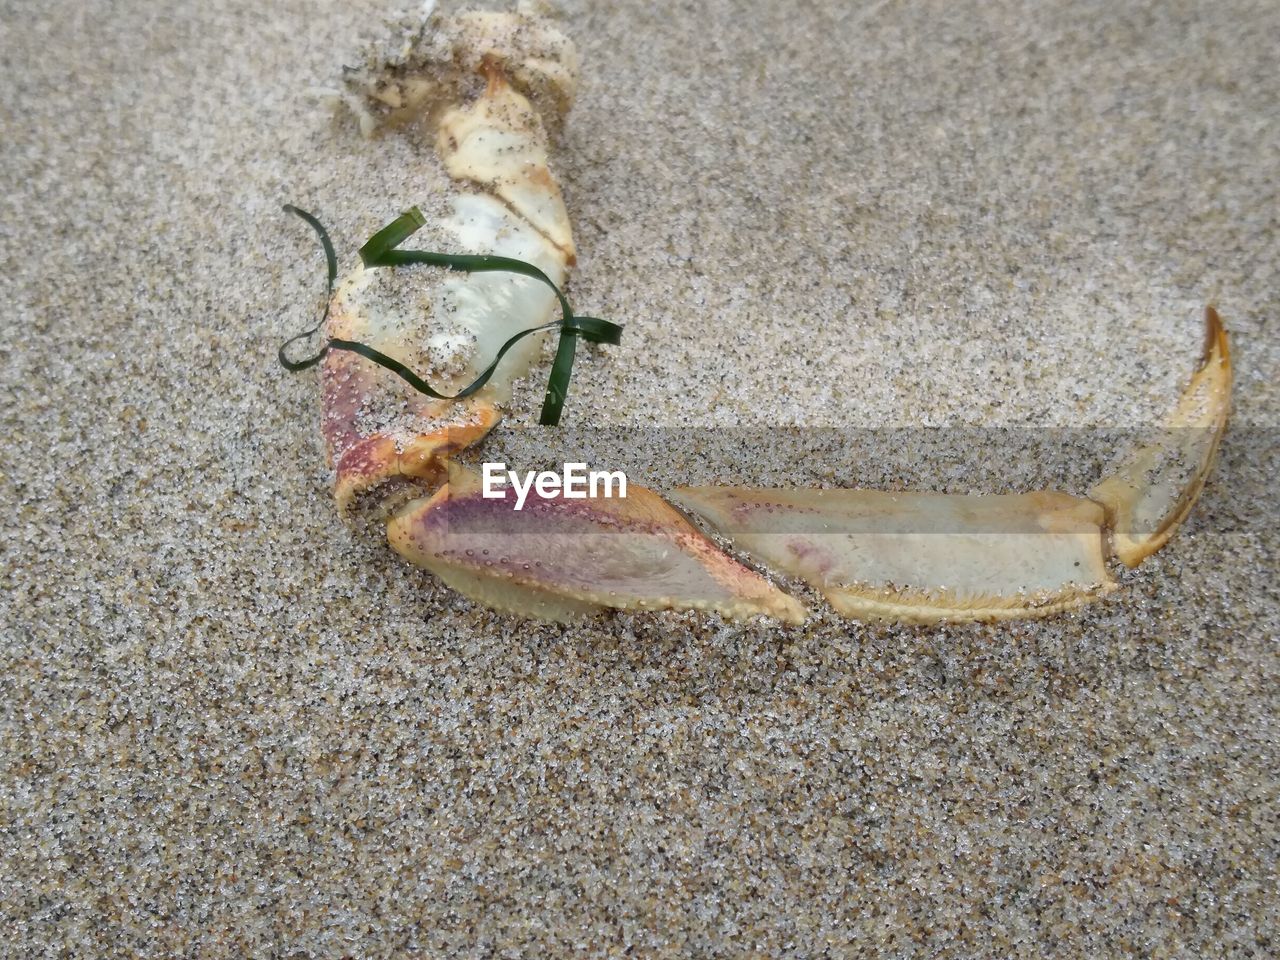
[559, 557]
[485, 85]
[1156, 487]
[920, 557]
[488, 86]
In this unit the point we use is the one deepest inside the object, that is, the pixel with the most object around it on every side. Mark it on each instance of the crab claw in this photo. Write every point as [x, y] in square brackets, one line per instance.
[558, 558]
[920, 557]
[1156, 487]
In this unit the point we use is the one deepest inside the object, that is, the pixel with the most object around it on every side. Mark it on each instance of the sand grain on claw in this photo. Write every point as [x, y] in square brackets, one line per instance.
[557, 558]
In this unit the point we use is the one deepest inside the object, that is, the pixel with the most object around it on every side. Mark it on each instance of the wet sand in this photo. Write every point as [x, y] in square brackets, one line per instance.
[233, 726]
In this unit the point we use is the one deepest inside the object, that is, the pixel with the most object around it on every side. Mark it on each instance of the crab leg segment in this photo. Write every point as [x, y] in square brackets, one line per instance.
[557, 558]
[1154, 490]
[498, 142]
[924, 558]
[920, 557]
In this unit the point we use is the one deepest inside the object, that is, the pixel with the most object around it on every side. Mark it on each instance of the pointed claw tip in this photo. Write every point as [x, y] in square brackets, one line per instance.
[1215, 337]
[1144, 499]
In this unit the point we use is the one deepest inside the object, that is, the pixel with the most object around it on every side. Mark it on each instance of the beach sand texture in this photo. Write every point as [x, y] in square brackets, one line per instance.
[231, 725]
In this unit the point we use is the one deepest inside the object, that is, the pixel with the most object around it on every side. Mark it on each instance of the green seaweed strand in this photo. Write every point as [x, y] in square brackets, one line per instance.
[381, 250]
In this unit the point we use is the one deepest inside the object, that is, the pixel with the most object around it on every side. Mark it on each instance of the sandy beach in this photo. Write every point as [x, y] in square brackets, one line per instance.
[233, 726]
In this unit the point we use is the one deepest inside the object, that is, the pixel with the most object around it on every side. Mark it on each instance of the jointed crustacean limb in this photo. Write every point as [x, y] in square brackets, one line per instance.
[912, 557]
[920, 557]
[925, 558]
[487, 86]
[561, 557]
